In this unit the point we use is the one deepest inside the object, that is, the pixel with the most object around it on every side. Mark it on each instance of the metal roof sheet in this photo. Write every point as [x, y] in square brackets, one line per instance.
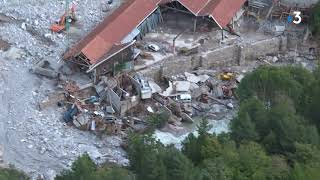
[222, 11]
[195, 6]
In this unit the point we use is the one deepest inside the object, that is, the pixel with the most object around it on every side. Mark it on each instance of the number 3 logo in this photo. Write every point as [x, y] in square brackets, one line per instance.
[297, 17]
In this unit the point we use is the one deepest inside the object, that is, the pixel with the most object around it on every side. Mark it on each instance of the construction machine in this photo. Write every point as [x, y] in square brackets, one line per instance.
[69, 17]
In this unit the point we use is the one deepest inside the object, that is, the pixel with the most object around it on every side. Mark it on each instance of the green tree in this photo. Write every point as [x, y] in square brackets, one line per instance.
[312, 103]
[243, 128]
[253, 161]
[192, 146]
[82, 169]
[278, 169]
[315, 19]
[304, 172]
[151, 160]
[266, 83]
[216, 168]
[85, 169]
[178, 165]
[12, 174]
[145, 155]
[158, 120]
[268, 115]
[307, 154]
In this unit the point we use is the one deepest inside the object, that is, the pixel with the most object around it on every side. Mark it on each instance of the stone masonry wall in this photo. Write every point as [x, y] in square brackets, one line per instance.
[261, 48]
[225, 56]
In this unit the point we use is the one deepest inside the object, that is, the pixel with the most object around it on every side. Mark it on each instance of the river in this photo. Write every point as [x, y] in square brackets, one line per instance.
[217, 127]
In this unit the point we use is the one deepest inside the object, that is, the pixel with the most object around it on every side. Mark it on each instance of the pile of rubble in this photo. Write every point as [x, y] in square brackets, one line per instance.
[121, 104]
[35, 140]
[306, 59]
[100, 107]
[186, 98]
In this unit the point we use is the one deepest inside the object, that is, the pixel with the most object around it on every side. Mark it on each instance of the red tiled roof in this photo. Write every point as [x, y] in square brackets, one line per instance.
[113, 29]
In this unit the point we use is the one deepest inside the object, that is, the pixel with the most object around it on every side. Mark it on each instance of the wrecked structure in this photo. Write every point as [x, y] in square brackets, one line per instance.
[34, 126]
[109, 47]
[112, 47]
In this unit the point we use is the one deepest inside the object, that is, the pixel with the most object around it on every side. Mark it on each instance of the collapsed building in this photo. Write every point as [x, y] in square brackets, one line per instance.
[108, 48]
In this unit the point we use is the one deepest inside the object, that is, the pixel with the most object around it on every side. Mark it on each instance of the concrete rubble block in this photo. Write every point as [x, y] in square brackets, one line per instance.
[81, 120]
[230, 106]
[161, 99]
[204, 89]
[43, 64]
[204, 78]
[275, 59]
[215, 108]
[192, 77]
[303, 64]
[186, 118]
[181, 86]
[187, 108]
[24, 26]
[204, 107]
[193, 86]
[45, 72]
[155, 87]
[175, 109]
[211, 83]
[14, 53]
[174, 120]
[76, 123]
[269, 58]
[239, 78]
[168, 91]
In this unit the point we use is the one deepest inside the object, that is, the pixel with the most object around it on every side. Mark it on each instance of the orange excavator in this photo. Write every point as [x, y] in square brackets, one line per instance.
[68, 17]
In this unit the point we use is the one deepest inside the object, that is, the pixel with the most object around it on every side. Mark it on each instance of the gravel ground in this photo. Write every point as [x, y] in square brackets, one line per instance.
[38, 142]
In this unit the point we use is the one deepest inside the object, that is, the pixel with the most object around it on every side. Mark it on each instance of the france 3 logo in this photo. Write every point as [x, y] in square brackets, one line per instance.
[295, 18]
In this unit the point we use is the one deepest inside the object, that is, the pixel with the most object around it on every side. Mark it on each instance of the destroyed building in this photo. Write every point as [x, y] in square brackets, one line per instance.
[109, 47]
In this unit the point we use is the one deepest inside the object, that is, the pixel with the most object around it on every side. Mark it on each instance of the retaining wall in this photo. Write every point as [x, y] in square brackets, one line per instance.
[230, 55]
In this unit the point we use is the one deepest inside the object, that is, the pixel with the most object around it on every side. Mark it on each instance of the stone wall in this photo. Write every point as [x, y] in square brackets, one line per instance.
[224, 56]
[172, 66]
[261, 48]
[235, 54]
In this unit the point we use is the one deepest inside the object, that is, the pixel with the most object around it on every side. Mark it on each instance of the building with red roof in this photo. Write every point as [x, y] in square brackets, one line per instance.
[116, 33]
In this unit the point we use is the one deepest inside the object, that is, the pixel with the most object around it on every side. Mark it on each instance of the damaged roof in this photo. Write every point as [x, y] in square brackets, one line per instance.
[222, 11]
[108, 35]
[194, 6]
[113, 29]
